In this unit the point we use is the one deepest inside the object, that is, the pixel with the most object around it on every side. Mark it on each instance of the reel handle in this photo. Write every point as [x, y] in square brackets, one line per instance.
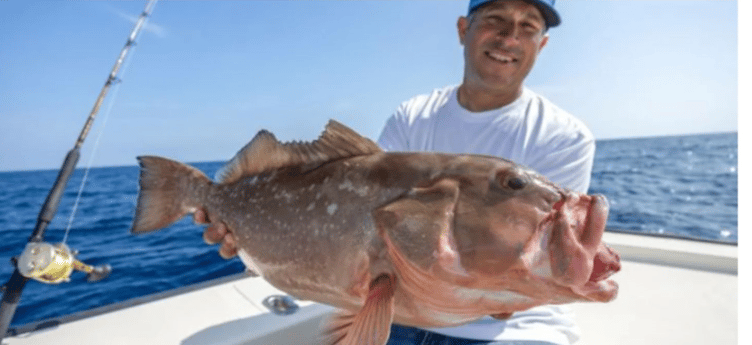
[98, 273]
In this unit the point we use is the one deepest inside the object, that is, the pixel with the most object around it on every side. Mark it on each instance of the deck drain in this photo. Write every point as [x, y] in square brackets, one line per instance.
[281, 304]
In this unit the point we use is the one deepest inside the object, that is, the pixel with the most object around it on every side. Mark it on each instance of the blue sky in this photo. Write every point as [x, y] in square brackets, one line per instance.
[206, 76]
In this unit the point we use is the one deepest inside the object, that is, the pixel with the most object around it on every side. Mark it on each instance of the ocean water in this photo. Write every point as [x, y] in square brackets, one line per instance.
[676, 186]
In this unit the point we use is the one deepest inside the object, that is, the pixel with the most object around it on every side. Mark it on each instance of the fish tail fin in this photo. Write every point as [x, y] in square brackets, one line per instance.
[168, 190]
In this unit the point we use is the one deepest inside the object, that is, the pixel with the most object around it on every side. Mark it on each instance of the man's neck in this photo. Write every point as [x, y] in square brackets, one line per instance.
[480, 99]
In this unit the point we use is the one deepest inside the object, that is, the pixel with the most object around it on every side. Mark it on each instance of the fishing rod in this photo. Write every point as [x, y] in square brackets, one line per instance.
[48, 263]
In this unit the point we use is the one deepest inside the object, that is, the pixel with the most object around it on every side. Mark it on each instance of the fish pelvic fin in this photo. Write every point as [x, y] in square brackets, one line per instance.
[265, 152]
[369, 326]
[166, 192]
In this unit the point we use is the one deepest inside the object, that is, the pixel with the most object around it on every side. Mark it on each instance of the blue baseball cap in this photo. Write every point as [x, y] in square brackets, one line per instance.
[546, 7]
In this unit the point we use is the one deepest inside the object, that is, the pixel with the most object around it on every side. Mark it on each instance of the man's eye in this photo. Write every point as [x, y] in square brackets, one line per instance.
[530, 27]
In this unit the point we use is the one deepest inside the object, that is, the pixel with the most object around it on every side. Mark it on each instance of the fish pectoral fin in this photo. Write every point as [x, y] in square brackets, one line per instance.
[369, 326]
[418, 226]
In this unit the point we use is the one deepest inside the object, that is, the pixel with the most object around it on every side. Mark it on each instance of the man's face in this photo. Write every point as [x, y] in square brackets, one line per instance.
[502, 41]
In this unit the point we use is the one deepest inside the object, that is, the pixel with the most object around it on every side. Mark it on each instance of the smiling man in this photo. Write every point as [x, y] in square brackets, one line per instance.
[502, 41]
[492, 113]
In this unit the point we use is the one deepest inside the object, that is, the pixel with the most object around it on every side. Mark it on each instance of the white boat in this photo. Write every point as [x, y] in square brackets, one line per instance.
[672, 291]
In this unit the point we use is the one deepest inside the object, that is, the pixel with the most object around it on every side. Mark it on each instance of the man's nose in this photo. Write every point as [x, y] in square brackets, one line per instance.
[510, 32]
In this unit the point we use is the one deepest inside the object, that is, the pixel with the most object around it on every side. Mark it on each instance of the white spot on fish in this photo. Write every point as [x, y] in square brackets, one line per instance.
[348, 185]
[310, 207]
[283, 195]
[331, 209]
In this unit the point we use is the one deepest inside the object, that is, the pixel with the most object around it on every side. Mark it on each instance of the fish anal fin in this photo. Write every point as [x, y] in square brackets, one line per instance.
[371, 324]
[265, 152]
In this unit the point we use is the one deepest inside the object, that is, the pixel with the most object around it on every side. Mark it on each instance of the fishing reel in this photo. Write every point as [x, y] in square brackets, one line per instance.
[53, 264]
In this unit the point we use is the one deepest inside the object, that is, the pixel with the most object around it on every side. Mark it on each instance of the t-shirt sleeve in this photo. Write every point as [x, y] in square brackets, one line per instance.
[394, 135]
[569, 163]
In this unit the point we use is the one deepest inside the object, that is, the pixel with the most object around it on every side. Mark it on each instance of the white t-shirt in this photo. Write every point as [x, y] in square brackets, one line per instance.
[530, 131]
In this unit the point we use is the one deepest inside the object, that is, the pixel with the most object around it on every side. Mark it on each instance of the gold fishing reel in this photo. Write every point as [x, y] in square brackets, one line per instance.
[54, 264]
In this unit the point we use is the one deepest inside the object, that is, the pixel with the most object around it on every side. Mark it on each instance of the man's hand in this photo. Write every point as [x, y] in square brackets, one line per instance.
[216, 233]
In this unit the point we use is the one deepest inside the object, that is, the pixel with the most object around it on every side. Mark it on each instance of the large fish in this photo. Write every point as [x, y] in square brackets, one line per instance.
[420, 239]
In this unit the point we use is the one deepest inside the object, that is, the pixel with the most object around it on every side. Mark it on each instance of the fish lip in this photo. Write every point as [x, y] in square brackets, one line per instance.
[606, 261]
[556, 207]
[600, 291]
[603, 260]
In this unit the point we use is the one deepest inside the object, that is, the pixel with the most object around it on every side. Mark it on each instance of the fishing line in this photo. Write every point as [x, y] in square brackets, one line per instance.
[93, 153]
[14, 287]
[91, 157]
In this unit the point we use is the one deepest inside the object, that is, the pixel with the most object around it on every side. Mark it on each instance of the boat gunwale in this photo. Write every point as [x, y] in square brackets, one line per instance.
[652, 250]
[672, 236]
[112, 307]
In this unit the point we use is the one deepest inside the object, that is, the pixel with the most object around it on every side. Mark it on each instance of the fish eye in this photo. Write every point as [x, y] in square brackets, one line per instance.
[516, 183]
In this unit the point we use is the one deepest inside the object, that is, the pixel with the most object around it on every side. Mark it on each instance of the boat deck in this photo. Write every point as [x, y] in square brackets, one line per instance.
[682, 293]
[671, 292]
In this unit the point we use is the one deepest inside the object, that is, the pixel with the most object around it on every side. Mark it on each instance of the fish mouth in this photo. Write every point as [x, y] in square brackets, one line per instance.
[606, 263]
[598, 287]
[579, 259]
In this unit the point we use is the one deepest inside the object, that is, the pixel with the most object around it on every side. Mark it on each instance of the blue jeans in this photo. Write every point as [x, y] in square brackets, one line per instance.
[403, 335]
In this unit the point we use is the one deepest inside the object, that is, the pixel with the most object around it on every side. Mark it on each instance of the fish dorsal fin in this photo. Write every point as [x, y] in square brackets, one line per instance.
[265, 152]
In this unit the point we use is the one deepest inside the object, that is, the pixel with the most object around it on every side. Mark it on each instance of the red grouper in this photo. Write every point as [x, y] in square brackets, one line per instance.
[419, 239]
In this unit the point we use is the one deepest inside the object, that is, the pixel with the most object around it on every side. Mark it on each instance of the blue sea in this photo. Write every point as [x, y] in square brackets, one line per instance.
[675, 186]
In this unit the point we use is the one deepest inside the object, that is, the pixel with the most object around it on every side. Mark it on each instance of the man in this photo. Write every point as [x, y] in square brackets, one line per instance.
[491, 113]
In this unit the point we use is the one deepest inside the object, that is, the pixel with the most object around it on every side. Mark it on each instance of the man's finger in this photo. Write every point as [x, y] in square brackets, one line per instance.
[215, 233]
[228, 249]
[199, 217]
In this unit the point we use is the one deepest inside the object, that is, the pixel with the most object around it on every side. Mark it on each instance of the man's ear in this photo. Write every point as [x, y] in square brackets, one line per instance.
[543, 42]
[462, 27]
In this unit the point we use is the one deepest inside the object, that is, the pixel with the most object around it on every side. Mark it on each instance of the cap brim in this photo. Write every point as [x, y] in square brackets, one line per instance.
[549, 13]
